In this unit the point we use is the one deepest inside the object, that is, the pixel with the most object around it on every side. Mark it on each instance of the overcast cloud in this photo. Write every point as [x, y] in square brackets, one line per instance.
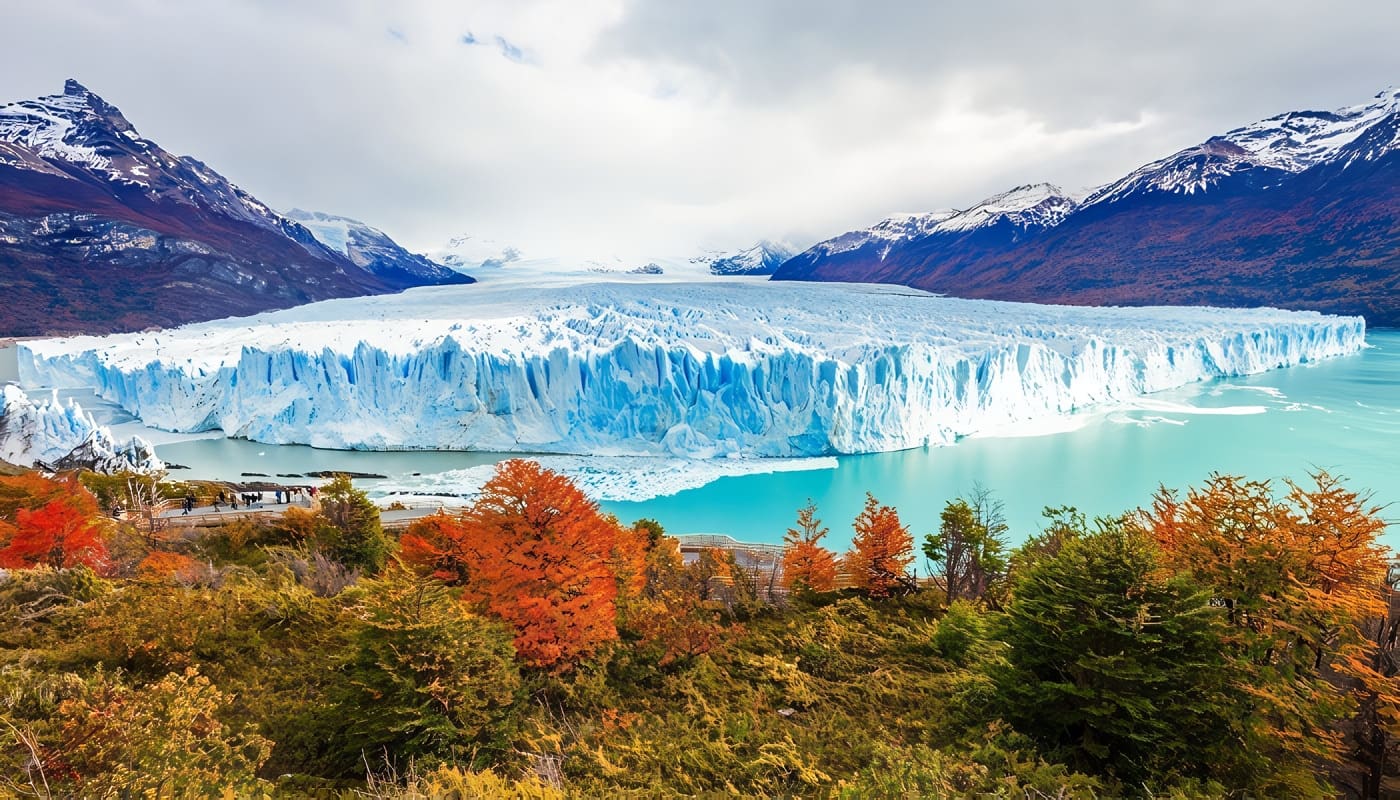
[655, 127]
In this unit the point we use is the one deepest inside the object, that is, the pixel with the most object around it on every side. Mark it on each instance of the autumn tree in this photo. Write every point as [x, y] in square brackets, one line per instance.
[671, 623]
[1298, 578]
[535, 552]
[807, 566]
[881, 550]
[60, 533]
[31, 490]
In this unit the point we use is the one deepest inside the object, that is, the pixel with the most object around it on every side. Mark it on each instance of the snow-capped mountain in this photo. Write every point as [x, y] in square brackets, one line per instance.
[699, 370]
[1033, 207]
[105, 230]
[469, 253]
[763, 258]
[1300, 210]
[372, 250]
[1272, 150]
[493, 261]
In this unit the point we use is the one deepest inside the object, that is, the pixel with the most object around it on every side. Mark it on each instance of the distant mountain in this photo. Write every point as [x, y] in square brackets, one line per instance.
[468, 252]
[493, 260]
[763, 258]
[102, 230]
[1301, 210]
[372, 250]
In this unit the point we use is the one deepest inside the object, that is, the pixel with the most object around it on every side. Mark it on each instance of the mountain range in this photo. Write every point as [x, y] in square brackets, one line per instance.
[102, 230]
[1301, 210]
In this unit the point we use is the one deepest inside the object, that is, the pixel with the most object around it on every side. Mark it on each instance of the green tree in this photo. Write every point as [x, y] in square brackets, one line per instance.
[357, 538]
[968, 551]
[1115, 667]
[429, 679]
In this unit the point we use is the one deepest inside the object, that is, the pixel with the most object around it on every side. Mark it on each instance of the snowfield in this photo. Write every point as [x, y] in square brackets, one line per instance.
[693, 370]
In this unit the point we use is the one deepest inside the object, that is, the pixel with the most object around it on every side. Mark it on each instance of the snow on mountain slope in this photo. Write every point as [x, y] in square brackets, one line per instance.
[80, 130]
[695, 370]
[1285, 144]
[491, 261]
[371, 249]
[1033, 207]
[49, 434]
[1039, 205]
[888, 231]
[469, 253]
[761, 259]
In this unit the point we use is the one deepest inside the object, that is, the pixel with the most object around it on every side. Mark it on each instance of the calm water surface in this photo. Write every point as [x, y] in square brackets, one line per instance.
[1342, 415]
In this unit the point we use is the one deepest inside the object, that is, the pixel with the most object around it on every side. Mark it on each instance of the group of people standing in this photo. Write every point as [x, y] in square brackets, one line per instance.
[248, 499]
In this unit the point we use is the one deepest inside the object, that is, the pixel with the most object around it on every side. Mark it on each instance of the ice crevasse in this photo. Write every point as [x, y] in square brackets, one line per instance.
[695, 370]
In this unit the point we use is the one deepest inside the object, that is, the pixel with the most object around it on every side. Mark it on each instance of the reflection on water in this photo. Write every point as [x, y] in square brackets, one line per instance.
[1342, 415]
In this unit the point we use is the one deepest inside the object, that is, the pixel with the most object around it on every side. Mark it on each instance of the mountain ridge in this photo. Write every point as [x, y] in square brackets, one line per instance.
[1301, 210]
[102, 230]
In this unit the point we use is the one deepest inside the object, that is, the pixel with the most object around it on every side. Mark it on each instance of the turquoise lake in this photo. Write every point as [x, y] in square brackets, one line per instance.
[1342, 415]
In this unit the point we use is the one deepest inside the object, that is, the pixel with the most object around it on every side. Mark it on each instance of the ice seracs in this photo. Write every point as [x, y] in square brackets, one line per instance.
[52, 435]
[667, 369]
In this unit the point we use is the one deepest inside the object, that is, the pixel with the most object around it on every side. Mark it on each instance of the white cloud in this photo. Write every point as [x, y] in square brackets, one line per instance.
[653, 127]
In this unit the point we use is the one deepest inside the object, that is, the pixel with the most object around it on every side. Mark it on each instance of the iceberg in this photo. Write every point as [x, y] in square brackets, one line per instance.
[691, 370]
[51, 436]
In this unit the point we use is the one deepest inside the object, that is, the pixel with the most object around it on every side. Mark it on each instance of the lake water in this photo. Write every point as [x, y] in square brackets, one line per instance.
[1342, 415]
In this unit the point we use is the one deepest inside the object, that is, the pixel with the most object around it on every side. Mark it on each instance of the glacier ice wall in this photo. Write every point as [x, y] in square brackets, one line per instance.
[695, 370]
[50, 434]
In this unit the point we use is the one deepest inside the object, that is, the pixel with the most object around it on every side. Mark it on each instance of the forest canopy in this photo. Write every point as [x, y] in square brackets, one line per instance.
[1232, 639]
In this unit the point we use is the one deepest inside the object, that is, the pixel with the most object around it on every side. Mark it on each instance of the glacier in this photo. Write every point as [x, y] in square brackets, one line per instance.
[692, 370]
[52, 435]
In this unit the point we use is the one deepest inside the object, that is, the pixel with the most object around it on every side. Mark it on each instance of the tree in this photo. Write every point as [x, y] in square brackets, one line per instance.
[672, 623]
[881, 550]
[535, 552]
[429, 679]
[1115, 666]
[1063, 524]
[967, 551]
[31, 490]
[357, 539]
[58, 534]
[807, 566]
[1298, 579]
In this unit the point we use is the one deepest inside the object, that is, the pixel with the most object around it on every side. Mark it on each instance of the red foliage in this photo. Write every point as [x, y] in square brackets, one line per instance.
[535, 552]
[806, 564]
[57, 534]
[31, 490]
[881, 550]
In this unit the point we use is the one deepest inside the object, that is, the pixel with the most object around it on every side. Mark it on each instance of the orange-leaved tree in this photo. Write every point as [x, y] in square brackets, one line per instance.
[62, 532]
[807, 566]
[534, 551]
[881, 550]
[1298, 578]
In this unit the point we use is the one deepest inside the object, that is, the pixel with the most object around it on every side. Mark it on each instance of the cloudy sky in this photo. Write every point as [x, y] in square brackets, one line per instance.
[655, 127]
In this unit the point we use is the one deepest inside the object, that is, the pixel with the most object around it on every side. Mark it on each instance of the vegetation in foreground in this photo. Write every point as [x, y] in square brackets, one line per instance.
[1237, 640]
